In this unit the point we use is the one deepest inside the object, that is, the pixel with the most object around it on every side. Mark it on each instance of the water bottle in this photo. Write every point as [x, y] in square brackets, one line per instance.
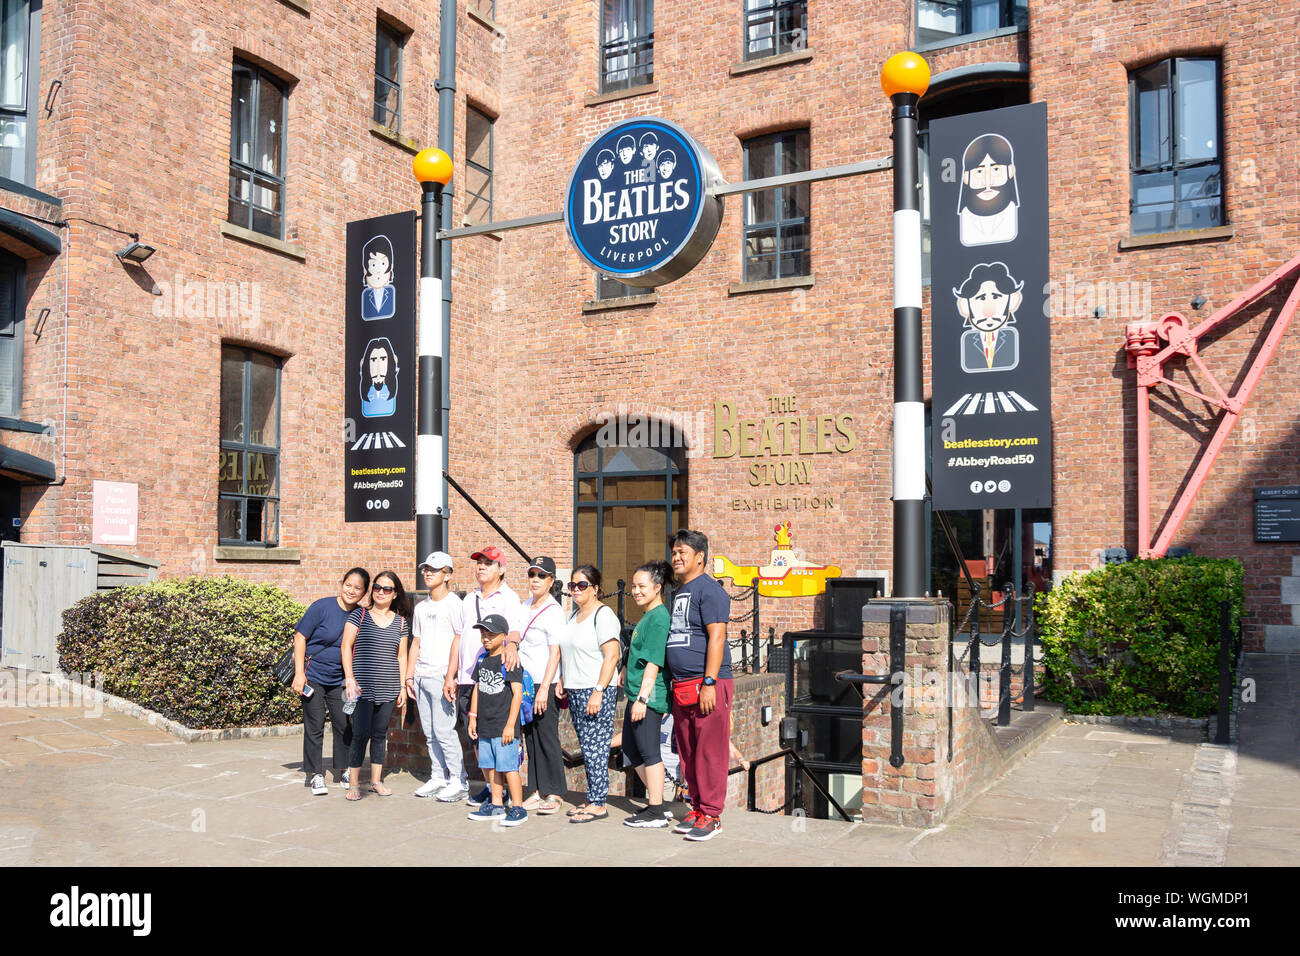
[349, 702]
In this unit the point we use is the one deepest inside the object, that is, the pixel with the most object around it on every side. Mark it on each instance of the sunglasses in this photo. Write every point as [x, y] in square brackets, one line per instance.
[538, 574]
[383, 589]
[578, 586]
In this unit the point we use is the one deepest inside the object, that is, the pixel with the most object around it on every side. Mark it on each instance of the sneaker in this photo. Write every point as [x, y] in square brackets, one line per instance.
[480, 798]
[705, 827]
[514, 817]
[452, 793]
[318, 787]
[346, 779]
[486, 811]
[688, 822]
[432, 787]
[649, 818]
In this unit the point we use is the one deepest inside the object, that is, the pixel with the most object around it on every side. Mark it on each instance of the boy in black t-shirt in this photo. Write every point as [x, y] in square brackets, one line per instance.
[494, 723]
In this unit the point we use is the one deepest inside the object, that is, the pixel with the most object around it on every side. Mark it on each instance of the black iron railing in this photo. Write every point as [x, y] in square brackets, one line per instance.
[793, 759]
[1229, 655]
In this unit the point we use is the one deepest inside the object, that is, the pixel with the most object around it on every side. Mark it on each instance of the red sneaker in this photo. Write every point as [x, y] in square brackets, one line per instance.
[704, 829]
[688, 822]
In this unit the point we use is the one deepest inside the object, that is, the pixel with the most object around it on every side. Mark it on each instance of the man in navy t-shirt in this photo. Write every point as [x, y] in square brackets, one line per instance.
[699, 662]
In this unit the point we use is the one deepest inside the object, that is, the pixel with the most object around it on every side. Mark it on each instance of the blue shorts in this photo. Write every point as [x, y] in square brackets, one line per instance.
[494, 755]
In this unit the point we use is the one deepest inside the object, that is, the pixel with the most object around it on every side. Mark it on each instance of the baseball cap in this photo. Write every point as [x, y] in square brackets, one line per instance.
[491, 553]
[437, 561]
[494, 624]
[542, 563]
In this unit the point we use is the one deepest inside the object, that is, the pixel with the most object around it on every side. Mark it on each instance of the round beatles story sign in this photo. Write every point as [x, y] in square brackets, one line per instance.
[638, 208]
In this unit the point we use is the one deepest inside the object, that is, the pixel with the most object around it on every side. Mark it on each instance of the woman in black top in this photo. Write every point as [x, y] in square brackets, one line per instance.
[374, 659]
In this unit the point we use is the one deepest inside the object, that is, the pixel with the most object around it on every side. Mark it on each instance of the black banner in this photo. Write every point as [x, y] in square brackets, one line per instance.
[379, 370]
[991, 343]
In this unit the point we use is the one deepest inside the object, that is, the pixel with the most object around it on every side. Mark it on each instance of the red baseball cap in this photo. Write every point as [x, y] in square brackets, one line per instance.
[491, 553]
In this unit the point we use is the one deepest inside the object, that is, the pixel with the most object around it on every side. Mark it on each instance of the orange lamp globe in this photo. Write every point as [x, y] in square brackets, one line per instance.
[432, 166]
[905, 73]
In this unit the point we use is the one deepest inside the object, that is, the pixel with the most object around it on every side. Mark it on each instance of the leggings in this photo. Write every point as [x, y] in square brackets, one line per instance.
[594, 733]
[370, 723]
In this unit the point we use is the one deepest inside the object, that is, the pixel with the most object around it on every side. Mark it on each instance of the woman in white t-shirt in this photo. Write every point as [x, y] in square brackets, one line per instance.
[539, 653]
[589, 653]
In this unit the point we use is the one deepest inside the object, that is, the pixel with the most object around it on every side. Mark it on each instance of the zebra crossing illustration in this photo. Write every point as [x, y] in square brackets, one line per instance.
[378, 440]
[989, 403]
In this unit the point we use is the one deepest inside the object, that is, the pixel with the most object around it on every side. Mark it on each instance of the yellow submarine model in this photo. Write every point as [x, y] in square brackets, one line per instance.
[786, 574]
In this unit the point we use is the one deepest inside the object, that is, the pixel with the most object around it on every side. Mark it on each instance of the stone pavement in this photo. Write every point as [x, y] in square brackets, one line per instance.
[107, 790]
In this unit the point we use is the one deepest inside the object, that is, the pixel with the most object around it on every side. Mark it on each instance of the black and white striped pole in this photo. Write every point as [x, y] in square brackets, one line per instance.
[433, 170]
[905, 78]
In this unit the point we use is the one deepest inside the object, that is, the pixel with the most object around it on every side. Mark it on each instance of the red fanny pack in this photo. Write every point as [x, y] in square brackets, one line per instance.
[687, 692]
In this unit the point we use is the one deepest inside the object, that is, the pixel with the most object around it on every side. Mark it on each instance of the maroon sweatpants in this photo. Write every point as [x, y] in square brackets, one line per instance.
[704, 745]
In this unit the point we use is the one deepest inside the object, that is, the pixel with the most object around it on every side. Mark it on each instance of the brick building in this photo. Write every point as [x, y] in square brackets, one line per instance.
[238, 140]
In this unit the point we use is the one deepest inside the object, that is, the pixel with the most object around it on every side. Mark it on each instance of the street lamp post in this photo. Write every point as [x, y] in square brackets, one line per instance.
[433, 170]
[905, 78]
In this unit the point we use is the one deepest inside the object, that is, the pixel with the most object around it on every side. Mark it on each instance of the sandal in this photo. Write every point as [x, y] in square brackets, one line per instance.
[354, 793]
[547, 807]
[588, 817]
[580, 808]
[380, 789]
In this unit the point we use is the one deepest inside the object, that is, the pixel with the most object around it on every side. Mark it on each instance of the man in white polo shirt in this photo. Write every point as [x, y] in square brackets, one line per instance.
[492, 596]
[437, 622]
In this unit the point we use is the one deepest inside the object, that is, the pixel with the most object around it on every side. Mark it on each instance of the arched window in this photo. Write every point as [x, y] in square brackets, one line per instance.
[628, 500]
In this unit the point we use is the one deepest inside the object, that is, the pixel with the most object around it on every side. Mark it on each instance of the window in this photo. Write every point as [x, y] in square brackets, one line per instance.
[478, 167]
[776, 220]
[13, 294]
[1175, 146]
[629, 499]
[627, 49]
[773, 27]
[388, 76]
[257, 116]
[938, 21]
[607, 288]
[486, 7]
[248, 478]
[19, 61]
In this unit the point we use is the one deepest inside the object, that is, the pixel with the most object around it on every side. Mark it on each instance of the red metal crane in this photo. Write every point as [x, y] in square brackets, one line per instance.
[1143, 342]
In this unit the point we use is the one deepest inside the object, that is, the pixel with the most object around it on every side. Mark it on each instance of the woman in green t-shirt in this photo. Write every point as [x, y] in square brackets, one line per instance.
[647, 693]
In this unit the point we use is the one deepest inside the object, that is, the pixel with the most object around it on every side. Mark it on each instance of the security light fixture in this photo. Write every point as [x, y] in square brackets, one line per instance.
[136, 251]
[1198, 303]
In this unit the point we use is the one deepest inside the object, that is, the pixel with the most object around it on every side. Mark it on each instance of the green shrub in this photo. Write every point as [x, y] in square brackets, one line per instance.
[197, 650]
[1139, 638]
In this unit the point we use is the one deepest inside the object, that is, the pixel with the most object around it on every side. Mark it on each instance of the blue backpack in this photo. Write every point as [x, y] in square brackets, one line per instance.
[530, 691]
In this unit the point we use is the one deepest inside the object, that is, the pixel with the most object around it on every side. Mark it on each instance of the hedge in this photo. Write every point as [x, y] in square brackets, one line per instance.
[196, 650]
[1139, 638]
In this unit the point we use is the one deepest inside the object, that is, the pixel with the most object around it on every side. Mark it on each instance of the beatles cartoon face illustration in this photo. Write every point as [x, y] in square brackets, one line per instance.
[988, 199]
[626, 148]
[649, 147]
[987, 302]
[604, 163]
[379, 299]
[667, 163]
[378, 379]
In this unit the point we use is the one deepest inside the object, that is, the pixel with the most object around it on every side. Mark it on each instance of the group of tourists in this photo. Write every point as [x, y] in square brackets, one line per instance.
[499, 669]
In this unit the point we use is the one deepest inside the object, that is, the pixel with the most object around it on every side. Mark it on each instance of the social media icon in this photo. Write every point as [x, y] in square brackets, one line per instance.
[990, 486]
[975, 487]
[1004, 486]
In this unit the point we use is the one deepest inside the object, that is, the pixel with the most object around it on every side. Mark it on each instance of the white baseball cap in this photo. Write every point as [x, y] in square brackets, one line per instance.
[437, 561]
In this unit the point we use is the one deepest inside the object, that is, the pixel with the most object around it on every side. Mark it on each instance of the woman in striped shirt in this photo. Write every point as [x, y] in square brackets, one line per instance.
[374, 659]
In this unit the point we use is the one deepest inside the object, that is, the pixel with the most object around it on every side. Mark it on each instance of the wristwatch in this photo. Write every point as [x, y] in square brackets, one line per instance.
[710, 681]
[641, 699]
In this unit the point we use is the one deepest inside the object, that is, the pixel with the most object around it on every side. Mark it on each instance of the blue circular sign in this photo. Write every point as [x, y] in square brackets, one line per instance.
[638, 207]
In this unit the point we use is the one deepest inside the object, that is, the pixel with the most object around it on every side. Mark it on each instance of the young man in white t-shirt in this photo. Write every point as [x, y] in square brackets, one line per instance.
[492, 596]
[436, 623]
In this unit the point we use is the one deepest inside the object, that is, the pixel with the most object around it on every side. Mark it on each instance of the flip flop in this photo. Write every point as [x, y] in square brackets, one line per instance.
[354, 793]
[588, 817]
[580, 808]
[383, 793]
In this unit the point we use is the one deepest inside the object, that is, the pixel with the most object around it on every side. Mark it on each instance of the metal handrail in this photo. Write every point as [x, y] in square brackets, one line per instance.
[849, 677]
[751, 801]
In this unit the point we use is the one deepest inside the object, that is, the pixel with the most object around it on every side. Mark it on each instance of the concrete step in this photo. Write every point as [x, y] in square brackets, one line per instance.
[1281, 639]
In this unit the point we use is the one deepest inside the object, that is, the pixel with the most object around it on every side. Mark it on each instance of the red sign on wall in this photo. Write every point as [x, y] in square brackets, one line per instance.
[115, 513]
